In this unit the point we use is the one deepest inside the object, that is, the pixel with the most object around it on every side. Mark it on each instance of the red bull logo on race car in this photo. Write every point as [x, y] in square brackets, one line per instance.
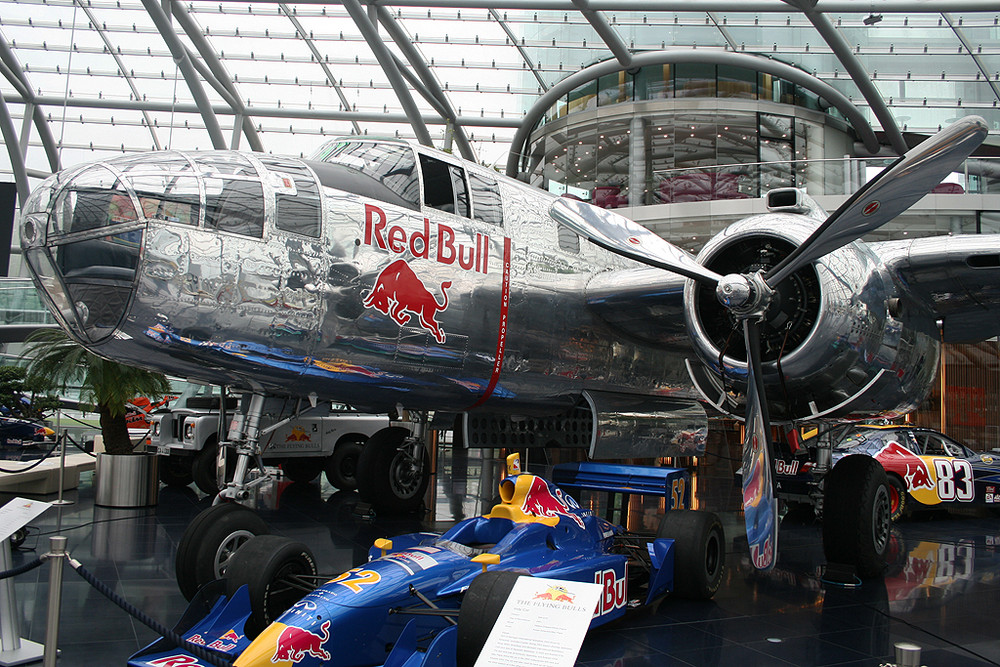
[614, 596]
[917, 474]
[556, 594]
[294, 644]
[544, 501]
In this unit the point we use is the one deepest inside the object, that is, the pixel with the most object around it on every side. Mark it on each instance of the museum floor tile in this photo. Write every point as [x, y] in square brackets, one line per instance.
[941, 591]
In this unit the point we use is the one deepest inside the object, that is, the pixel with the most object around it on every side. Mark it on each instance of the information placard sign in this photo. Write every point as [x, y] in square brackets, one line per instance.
[17, 513]
[542, 624]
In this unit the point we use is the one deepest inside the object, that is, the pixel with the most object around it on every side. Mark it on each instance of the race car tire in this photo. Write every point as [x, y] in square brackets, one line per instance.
[265, 564]
[176, 470]
[389, 477]
[341, 468]
[699, 552]
[302, 469]
[210, 541]
[856, 515]
[897, 498]
[479, 613]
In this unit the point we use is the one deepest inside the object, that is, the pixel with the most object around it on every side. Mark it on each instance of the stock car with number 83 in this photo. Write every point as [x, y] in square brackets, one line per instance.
[925, 469]
[431, 599]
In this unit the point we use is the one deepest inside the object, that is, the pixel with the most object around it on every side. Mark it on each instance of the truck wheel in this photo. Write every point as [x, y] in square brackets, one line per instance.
[210, 541]
[393, 471]
[302, 468]
[699, 552]
[856, 515]
[203, 468]
[342, 466]
[480, 610]
[175, 470]
[277, 572]
[897, 498]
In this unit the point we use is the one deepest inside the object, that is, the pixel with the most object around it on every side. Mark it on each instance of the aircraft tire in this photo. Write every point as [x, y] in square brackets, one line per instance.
[341, 468]
[897, 498]
[479, 613]
[176, 470]
[302, 469]
[388, 477]
[210, 541]
[699, 552]
[264, 563]
[856, 515]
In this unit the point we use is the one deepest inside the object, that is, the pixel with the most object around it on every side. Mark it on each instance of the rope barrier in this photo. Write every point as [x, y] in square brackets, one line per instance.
[200, 652]
[21, 569]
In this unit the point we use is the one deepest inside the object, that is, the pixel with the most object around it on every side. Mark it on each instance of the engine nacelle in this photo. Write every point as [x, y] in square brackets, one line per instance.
[845, 343]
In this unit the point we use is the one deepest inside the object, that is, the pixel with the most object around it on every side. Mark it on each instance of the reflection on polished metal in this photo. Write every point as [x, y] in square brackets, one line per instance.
[57, 559]
[126, 480]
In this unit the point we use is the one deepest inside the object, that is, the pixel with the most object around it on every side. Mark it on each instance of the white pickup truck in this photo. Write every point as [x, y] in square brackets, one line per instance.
[328, 440]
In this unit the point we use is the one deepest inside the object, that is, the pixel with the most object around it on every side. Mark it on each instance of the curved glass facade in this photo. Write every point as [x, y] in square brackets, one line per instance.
[639, 152]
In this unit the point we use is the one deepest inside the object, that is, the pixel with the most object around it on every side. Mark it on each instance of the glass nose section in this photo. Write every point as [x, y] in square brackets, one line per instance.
[93, 243]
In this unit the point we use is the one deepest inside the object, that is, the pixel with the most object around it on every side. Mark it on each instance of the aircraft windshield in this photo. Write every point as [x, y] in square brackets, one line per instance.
[381, 170]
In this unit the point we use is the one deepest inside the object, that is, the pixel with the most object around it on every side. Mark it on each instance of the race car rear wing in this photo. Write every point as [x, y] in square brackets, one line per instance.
[671, 483]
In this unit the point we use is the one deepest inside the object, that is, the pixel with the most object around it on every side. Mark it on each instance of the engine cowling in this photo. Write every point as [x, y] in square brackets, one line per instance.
[838, 340]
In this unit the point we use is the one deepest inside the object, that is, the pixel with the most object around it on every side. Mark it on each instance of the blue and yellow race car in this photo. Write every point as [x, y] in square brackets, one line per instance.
[431, 599]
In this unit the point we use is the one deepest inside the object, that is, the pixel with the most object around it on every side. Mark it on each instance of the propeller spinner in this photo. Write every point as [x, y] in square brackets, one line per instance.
[748, 296]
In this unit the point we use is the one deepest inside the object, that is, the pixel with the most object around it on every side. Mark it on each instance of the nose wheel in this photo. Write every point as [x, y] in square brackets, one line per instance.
[393, 471]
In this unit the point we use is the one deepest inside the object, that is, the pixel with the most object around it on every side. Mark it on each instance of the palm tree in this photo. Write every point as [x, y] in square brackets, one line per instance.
[55, 361]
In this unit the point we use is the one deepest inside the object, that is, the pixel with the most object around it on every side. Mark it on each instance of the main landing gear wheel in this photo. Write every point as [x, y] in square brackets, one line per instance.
[277, 571]
[479, 613]
[342, 467]
[699, 552]
[175, 470]
[856, 515]
[393, 471]
[897, 498]
[209, 543]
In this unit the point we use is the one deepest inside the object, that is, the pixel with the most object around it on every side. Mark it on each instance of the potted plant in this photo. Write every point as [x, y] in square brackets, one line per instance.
[123, 477]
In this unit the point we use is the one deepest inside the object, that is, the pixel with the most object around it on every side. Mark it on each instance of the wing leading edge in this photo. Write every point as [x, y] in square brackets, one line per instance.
[956, 277]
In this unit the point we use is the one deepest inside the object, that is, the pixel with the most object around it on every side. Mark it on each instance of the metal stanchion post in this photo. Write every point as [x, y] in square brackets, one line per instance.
[62, 470]
[57, 555]
[13, 649]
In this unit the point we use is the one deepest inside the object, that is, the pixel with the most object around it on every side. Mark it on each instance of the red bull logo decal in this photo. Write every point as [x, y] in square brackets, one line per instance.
[294, 644]
[543, 500]
[614, 595]
[556, 594]
[298, 434]
[398, 289]
[762, 555]
[396, 240]
[916, 473]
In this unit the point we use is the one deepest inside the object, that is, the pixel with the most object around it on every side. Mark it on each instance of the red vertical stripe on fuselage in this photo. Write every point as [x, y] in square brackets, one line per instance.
[502, 329]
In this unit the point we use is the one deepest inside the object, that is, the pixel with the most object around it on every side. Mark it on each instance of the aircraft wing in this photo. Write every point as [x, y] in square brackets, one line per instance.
[646, 304]
[956, 277]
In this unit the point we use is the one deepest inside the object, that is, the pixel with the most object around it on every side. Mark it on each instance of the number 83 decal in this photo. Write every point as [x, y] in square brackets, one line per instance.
[954, 480]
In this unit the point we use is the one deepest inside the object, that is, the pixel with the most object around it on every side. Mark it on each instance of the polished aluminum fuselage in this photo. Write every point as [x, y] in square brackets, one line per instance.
[287, 314]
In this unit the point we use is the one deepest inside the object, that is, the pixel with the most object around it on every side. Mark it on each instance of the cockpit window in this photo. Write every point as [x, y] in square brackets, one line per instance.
[95, 199]
[297, 200]
[444, 186]
[380, 170]
[486, 206]
[235, 206]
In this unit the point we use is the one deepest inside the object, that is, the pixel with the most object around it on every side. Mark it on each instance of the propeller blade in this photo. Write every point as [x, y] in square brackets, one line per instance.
[893, 191]
[760, 510]
[627, 238]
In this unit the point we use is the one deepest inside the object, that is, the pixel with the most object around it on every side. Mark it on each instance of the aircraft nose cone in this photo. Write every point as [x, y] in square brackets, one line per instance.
[82, 236]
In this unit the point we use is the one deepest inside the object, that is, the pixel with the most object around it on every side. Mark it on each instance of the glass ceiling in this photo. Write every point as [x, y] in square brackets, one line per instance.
[102, 77]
